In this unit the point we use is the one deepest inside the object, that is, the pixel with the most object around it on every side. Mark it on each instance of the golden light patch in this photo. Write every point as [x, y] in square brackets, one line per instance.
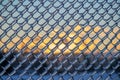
[27, 39]
[91, 47]
[82, 46]
[72, 34]
[67, 51]
[6, 50]
[118, 35]
[110, 46]
[72, 46]
[77, 28]
[47, 51]
[118, 47]
[41, 46]
[27, 50]
[62, 34]
[57, 51]
[56, 40]
[61, 46]
[77, 40]
[10, 45]
[87, 28]
[46, 40]
[114, 41]
[67, 40]
[36, 40]
[97, 28]
[87, 40]
[31, 45]
[77, 51]
[20, 46]
[82, 34]
[97, 40]
[52, 45]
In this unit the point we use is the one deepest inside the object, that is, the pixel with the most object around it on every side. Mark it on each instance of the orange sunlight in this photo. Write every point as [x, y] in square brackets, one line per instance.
[82, 42]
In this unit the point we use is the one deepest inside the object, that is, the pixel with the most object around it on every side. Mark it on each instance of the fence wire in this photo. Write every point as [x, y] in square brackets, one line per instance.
[60, 39]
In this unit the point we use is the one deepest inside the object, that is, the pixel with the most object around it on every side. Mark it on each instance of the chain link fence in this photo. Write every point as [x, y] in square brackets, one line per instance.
[60, 39]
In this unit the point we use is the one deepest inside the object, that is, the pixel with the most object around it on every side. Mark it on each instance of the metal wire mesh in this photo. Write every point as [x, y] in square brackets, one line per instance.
[60, 39]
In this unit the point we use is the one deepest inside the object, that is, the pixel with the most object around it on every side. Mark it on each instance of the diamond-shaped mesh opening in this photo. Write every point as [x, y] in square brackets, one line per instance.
[60, 39]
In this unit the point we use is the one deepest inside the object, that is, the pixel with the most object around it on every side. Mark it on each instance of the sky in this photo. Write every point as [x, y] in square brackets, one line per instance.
[60, 26]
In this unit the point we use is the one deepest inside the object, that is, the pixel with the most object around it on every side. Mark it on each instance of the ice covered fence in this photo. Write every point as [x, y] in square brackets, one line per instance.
[60, 39]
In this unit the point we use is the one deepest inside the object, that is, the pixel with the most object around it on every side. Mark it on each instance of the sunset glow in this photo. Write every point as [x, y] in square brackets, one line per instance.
[65, 43]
